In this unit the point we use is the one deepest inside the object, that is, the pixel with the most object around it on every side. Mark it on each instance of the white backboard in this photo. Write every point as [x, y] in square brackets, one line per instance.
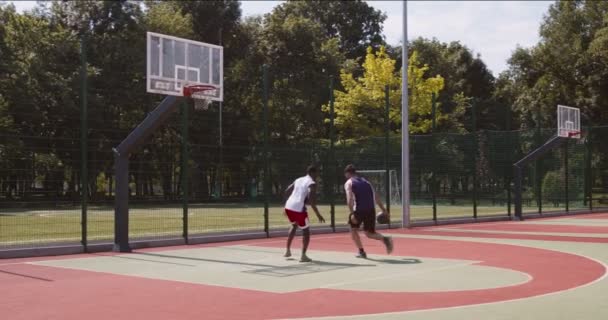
[568, 122]
[173, 63]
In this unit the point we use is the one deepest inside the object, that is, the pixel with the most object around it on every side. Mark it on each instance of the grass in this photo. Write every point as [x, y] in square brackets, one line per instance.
[22, 227]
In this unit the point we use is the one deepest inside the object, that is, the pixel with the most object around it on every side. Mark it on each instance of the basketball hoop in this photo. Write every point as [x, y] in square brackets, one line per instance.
[574, 134]
[578, 135]
[200, 93]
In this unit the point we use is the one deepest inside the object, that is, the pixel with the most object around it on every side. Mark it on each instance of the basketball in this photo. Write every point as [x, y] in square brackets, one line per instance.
[382, 218]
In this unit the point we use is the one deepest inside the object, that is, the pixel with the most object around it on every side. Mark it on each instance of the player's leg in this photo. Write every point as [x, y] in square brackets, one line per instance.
[388, 241]
[354, 234]
[305, 242]
[369, 225]
[290, 236]
[292, 216]
[304, 224]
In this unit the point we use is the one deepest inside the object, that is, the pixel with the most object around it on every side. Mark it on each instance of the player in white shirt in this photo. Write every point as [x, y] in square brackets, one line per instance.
[301, 192]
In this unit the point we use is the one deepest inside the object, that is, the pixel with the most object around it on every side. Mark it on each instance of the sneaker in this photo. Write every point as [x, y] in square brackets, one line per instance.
[287, 254]
[362, 255]
[388, 242]
[305, 258]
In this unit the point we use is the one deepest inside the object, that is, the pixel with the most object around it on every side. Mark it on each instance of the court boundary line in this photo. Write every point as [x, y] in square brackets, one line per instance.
[564, 234]
[604, 275]
[333, 285]
[404, 313]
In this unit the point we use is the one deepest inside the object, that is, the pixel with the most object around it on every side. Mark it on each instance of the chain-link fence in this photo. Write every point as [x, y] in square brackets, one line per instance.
[211, 181]
[452, 175]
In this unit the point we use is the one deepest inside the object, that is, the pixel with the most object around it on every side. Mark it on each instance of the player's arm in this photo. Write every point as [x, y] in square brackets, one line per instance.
[312, 200]
[350, 201]
[287, 192]
[350, 197]
[379, 202]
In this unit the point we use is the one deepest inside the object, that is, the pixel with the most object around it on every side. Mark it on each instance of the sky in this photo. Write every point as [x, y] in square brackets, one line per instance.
[492, 29]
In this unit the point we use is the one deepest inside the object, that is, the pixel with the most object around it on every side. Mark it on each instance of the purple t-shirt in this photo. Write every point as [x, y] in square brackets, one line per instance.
[363, 191]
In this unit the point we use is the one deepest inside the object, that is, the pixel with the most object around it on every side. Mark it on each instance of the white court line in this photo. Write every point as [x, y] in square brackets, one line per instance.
[190, 247]
[404, 313]
[563, 234]
[339, 284]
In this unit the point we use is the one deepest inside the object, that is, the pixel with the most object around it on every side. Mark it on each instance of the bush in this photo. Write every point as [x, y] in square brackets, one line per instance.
[553, 188]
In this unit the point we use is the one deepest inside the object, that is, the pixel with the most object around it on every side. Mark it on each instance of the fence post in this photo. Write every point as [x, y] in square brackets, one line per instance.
[589, 182]
[434, 162]
[539, 163]
[184, 170]
[84, 174]
[387, 132]
[266, 164]
[474, 118]
[566, 175]
[332, 201]
[509, 178]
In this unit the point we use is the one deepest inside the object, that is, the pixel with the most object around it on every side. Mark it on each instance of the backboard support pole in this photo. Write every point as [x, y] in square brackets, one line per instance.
[121, 206]
[555, 141]
[134, 140]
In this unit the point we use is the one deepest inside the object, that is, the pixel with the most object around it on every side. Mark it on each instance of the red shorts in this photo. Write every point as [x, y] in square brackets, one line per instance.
[299, 218]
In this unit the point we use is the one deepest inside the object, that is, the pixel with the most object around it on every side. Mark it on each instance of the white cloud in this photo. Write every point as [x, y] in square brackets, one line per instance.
[23, 5]
[490, 28]
[251, 8]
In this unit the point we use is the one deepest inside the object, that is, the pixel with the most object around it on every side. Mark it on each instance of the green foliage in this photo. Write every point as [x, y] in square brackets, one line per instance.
[466, 78]
[166, 18]
[337, 18]
[568, 66]
[552, 186]
[299, 56]
[303, 43]
[360, 108]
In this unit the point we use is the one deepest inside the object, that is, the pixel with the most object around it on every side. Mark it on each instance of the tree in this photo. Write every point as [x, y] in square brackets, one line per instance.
[37, 94]
[467, 80]
[568, 66]
[300, 61]
[167, 18]
[355, 24]
[360, 107]
[211, 20]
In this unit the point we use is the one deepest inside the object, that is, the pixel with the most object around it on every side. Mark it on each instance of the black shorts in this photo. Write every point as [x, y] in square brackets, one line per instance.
[367, 217]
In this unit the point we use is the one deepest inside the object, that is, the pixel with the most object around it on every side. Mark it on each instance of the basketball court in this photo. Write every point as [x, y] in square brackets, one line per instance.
[551, 268]
[541, 269]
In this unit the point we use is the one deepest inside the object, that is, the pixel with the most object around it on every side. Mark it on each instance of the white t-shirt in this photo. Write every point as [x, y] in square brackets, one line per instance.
[297, 199]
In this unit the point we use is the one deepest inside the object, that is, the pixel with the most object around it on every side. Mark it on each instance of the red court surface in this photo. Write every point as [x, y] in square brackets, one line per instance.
[68, 291]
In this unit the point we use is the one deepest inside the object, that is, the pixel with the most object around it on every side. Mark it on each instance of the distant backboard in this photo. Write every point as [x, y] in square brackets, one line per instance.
[175, 62]
[568, 122]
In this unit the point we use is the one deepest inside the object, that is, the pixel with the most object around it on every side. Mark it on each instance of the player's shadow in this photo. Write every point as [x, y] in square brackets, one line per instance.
[244, 263]
[395, 261]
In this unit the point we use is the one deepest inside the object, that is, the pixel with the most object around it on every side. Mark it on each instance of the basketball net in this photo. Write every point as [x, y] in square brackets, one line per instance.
[580, 139]
[200, 101]
[199, 94]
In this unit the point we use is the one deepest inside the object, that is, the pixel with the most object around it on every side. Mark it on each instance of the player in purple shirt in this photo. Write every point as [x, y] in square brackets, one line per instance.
[361, 201]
